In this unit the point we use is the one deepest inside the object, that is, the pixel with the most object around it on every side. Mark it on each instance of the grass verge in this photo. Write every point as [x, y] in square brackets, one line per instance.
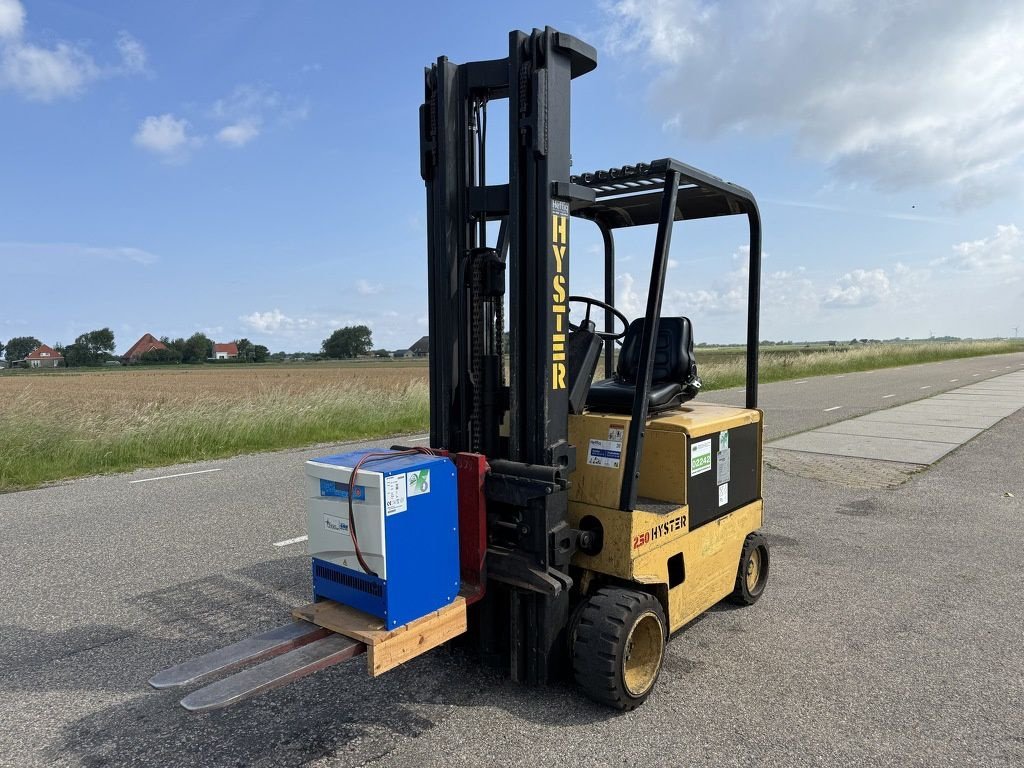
[62, 426]
[42, 444]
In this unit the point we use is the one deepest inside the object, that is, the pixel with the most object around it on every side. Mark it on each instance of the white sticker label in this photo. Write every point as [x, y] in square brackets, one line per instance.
[616, 432]
[417, 482]
[724, 466]
[700, 458]
[605, 453]
[336, 524]
[395, 494]
[723, 494]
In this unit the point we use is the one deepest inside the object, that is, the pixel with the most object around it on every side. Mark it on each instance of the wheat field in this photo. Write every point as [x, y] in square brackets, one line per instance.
[70, 423]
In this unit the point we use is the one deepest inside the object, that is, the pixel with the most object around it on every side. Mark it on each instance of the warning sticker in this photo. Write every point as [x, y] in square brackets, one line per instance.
[605, 453]
[395, 494]
[723, 494]
[616, 431]
[700, 457]
[417, 482]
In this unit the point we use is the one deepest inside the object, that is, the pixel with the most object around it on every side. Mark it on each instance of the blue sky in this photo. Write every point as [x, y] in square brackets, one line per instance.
[250, 169]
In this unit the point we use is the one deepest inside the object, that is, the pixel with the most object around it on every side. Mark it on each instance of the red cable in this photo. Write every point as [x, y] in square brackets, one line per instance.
[351, 490]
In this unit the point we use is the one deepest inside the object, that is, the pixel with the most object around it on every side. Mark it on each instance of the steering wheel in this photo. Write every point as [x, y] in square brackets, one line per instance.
[605, 335]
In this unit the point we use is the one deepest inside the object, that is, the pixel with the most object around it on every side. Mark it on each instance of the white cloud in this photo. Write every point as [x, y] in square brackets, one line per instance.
[165, 135]
[275, 321]
[44, 74]
[133, 53]
[249, 109]
[859, 288]
[12, 19]
[239, 134]
[366, 288]
[1001, 253]
[898, 94]
[11, 252]
[50, 73]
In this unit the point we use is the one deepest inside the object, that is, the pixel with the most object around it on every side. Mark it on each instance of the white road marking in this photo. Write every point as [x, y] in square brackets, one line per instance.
[419, 439]
[180, 474]
[833, 408]
[800, 382]
[885, 396]
[927, 386]
[975, 374]
[286, 542]
[841, 376]
[952, 380]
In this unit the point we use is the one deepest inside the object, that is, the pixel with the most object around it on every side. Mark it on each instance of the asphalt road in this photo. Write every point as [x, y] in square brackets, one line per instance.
[891, 633]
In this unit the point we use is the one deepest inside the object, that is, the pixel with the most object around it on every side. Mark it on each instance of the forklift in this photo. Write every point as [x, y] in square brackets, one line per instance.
[573, 524]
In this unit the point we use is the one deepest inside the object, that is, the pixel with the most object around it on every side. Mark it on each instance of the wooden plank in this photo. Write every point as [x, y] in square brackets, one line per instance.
[387, 649]
[419, 637]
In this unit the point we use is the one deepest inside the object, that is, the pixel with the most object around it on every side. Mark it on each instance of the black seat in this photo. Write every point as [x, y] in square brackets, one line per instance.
[674, 380]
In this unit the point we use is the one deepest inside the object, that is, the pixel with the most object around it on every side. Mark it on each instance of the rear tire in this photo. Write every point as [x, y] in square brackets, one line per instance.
[752, 574]
[618, 646]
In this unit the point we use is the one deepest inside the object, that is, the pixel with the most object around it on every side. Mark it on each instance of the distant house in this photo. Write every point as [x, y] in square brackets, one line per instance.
[381, 353]
[225, 351]
[43, 357]
[421, 348]
[147, 343]
[401, 353]
[3, 364]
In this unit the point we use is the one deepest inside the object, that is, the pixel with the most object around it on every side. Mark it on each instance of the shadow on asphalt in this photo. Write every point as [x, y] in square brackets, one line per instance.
[339, 711]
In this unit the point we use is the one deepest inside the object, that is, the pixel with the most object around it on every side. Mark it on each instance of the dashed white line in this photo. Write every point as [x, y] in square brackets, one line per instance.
[952, 380]
[975, 374]
[419, 439]
[833, 408]
[927, 386]
[800, 382]
[286, 542]
[180, 474]
[885, 396]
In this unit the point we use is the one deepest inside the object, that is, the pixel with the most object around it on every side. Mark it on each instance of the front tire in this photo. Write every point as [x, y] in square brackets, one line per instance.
[752, 574]
[618, 646]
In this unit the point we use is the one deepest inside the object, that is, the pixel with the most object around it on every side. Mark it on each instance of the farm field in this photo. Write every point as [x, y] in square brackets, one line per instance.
[70, 423]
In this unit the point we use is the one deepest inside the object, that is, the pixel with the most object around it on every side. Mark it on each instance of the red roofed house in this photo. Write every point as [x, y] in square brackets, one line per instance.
[147, 343]
[43, 357]
[225, 351]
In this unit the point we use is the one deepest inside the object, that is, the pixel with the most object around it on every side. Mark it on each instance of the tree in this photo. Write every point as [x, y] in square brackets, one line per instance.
[350, 341]
[19, 347]
[161, 356]
[195, 349]
[260, 353]
[245, 349]
[1, 347]
[92, 348]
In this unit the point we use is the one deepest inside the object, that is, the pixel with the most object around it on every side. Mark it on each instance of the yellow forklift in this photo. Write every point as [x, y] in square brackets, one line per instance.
[572, 524]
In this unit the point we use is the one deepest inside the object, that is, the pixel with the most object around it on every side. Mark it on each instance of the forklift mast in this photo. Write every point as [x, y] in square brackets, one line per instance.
[520, 426]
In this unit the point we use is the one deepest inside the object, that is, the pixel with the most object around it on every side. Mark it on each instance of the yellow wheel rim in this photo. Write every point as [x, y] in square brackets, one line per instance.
[642, 657]
[753, 574]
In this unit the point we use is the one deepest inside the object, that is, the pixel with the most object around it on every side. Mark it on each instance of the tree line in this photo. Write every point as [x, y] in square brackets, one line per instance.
[96, 348]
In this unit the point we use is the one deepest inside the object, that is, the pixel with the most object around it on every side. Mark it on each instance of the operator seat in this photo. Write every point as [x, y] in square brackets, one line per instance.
[674, 379]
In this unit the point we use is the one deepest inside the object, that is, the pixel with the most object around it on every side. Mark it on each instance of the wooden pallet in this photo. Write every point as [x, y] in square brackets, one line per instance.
[386, 649]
